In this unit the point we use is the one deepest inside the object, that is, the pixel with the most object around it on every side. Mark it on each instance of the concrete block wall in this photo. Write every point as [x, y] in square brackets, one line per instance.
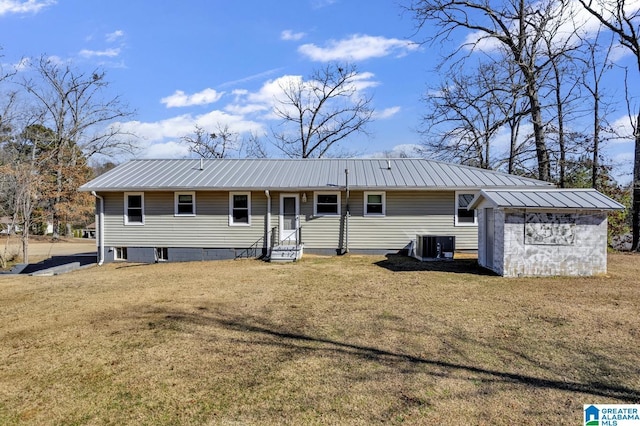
[586, 256]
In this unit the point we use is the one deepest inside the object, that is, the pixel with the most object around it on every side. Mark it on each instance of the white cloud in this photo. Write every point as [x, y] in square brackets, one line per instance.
[29, 6]
[181, 99]
[109, 53]
[290, 35]
[183, 125]
[623, 128]
[22, 64]
[251, 77]
[386, 113]
[364, 80]
[406, 150]
[358, 47]
[114, 36]
[246, 112]
[170, 149]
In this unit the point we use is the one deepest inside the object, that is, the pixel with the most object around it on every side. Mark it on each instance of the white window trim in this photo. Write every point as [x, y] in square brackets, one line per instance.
[455, 213]
[384, 203]
[176, 197]
[315, 203]
[121, 250]
[231, 222]
[126, 208]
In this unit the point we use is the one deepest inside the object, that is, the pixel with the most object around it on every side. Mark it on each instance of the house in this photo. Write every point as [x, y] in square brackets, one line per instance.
[190, 209]
[543, 231]
[8, 226]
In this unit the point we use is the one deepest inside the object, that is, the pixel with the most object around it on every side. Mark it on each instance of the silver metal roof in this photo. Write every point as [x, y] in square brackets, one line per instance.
[307, 174]
[575, 199]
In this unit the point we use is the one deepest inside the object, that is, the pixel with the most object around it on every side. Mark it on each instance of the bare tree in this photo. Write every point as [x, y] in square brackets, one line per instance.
[319, 113]
[217, 144]
[516, 25]
[563, 82]
[82, 118]
[465, 113]
[620, 18]
[596, 65]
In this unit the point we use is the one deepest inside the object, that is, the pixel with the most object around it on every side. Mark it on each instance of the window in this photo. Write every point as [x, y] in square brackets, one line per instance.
[134, 208]
[162, 254]
[464, 217]
[374, 204]
[240, 208]
[185, 204]
[327, 203]
[119, 253]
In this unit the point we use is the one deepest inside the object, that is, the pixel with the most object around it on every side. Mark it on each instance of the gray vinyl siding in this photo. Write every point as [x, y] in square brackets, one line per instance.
[407, 213]
[208, 228]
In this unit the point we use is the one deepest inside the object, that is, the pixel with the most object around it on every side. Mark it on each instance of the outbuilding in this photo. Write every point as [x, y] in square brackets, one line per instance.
[543, 231]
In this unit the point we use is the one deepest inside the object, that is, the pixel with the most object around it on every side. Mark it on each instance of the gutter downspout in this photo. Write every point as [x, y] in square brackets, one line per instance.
[347, 214]
[267, 231]
[100, 228]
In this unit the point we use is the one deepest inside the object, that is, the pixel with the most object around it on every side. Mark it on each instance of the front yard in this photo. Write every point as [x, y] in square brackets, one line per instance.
[340, 340]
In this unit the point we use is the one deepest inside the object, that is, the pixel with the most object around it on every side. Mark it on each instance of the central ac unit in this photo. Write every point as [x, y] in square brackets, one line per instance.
[435, 246]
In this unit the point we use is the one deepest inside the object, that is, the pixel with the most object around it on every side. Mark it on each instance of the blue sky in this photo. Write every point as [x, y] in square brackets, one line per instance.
[182, 63]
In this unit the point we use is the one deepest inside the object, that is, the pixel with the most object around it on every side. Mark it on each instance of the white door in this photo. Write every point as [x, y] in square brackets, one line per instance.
[289, 218]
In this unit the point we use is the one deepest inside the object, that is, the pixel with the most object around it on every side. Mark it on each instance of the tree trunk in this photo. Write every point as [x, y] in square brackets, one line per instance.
[542, 154]
[635, 208]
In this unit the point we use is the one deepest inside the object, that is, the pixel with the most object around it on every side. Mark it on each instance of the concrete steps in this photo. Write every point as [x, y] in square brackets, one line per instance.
[286, 253]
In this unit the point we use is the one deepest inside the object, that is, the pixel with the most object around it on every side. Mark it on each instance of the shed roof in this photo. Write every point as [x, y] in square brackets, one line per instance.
[546, 199]
[308, 174]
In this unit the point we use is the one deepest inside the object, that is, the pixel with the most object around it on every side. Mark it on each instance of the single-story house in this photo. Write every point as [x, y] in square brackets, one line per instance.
[543, 231]
[8, 226]
[191, 209]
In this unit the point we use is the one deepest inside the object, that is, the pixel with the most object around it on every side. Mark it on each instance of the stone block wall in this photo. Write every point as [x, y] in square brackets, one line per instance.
[550, 244]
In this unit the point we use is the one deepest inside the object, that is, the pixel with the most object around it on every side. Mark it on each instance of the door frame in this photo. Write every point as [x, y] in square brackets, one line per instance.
[281, 232]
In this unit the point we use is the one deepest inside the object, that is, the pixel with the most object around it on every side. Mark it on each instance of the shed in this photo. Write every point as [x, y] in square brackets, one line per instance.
[543, 232]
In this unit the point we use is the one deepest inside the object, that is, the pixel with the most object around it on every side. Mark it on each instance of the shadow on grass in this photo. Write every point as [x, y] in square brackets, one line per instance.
[82, 259]
[401, 263]
[291, 340]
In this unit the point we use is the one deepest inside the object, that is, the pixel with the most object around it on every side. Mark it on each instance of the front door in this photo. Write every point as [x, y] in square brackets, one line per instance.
[289, 218]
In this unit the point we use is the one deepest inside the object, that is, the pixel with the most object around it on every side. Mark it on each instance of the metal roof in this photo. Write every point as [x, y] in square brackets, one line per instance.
[574, 199]
[307, 174]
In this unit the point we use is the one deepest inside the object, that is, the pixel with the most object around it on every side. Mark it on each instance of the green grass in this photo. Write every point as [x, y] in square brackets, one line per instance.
[341, 340]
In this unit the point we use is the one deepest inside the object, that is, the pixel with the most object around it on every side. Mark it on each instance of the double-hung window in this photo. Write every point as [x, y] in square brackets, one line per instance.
[185, 204]
[134, 208]
[327, 204]
[240, 208]
[464, 217]
[374, 204]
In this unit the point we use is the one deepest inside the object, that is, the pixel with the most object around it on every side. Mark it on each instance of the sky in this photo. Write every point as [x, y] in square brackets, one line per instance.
[201, 62]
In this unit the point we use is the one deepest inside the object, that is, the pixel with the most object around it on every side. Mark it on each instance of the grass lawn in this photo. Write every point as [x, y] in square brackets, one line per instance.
[340, 340]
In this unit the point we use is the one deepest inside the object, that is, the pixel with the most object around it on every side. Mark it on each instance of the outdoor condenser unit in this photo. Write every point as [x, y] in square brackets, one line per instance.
[435, 246]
